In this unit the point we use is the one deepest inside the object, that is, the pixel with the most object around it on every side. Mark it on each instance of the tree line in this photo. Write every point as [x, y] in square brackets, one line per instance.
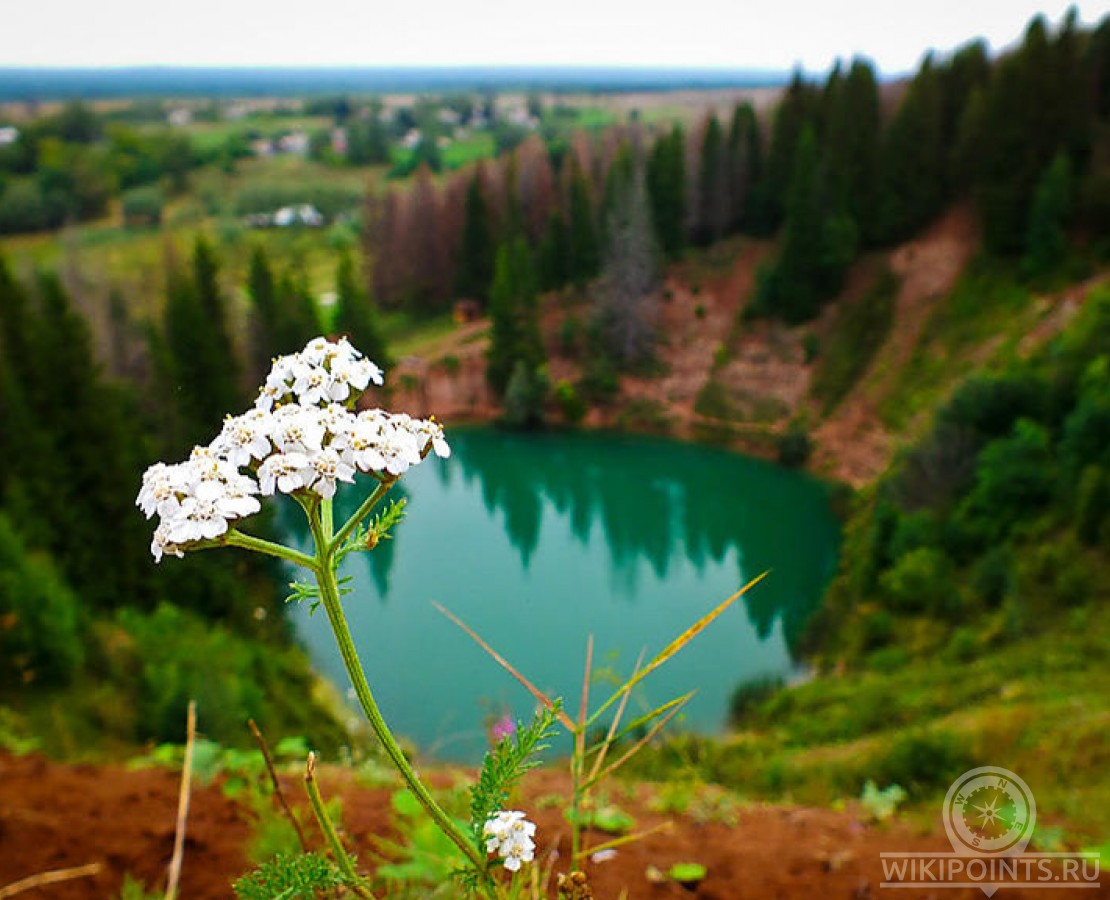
[839, 167]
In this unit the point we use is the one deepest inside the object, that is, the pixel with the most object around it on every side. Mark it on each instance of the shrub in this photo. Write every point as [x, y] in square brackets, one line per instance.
[176, 657]
[747, 696]
[794, 445]
[992, 579]
[922, 581]
[40, 623]
[143, 206]
[923, 762]
[571, 403]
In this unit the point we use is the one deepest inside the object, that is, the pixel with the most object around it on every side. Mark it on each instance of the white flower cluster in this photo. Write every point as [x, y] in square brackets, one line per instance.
[301, 435]
[509, 835]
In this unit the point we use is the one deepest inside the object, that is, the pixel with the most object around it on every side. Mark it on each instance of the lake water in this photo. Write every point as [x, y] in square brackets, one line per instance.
[537, 541]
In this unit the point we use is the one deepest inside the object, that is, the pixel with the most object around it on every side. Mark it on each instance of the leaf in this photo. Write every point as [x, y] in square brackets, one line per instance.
[504, 765]
[677, 644]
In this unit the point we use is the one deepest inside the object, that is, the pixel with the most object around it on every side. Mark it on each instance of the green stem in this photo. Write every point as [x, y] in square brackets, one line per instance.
[362, 512]
[329, 593]
[330, 834]
[236, 538]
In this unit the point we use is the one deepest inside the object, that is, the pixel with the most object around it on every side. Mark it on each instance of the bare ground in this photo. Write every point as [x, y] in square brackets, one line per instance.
[54, 816]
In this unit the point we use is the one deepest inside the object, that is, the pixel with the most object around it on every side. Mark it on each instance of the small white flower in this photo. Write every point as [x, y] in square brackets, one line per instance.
[285, 472]
[298, 428]
[244, 438]
[509, 835]
[327, 469]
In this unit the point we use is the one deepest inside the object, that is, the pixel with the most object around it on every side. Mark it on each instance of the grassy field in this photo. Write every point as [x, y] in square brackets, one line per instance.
[1036, 706]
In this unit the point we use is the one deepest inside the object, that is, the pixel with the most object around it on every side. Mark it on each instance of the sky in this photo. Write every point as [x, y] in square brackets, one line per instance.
[733, 34]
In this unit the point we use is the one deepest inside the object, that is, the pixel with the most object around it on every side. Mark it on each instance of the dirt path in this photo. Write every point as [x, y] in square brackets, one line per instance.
[55, 816]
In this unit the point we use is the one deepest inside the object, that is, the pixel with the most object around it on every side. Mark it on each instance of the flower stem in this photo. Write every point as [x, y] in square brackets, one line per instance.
[236, 538]
[330, 834]
[329, 593]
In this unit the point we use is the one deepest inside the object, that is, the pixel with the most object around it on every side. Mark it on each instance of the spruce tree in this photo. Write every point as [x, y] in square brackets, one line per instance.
[475, 265]
[914, 160]
[666, 186]
[514, 315]
[851, 141]
[1046, 238]
[354, 312]
[263, 296]
[585, 257]
[713, 195]
[743, 164]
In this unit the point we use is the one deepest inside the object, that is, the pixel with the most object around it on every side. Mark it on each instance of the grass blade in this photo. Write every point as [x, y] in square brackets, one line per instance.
[508, 667]
[677, 644]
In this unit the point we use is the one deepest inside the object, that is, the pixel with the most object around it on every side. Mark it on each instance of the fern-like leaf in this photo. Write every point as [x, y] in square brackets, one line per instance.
[504, 765]
[289, 877]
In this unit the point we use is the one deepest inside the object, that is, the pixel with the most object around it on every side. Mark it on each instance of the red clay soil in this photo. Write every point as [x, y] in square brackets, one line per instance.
[54, 816]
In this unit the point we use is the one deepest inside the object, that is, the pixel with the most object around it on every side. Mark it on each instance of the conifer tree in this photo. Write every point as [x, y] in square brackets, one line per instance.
[262, 293]
[626, 305]
[1046, 238]
[354, 312]
[914, 159]
[554, 254]
[797, 108]
[852, 148]
[666, 186]
[712, 200]
[514, 314]
[199, 361]
[743, 165]
[475, 266]
[584, 251]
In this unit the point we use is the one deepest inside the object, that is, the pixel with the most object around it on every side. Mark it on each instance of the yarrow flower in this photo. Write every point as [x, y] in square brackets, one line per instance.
[301, 435]
[509, 835]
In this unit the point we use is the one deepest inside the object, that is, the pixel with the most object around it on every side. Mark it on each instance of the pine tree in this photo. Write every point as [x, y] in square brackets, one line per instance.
[666, 185]
[354, 312]
[796, 110]
[475, 266]
[201, 366]
[514, 314]
[818, 244]
[625, 314]
[1046, 239]
[554, 254]
[584, 252]
[914, 159]
[296, 321]
[852, 135]
[743, 164]
[713, 196]
[262, 293]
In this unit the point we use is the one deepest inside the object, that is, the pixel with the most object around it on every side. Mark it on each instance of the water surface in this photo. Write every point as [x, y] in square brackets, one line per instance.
[537, 541]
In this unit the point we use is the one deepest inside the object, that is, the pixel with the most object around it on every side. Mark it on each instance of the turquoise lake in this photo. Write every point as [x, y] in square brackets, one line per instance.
[538, 541]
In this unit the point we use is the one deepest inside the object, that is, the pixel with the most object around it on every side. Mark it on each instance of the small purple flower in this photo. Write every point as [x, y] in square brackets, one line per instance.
[503, 728]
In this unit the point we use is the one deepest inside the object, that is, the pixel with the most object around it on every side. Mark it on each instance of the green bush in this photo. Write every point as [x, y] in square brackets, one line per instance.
[923, 762]
[176, 657]
[143, 206]
[751, 694]
[794, 446]
[40, 621]
[922, 581]
[992, 578]
[571, 403]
